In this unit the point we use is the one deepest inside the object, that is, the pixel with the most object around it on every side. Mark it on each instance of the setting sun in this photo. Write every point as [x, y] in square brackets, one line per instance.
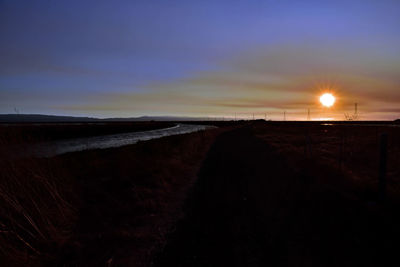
[327, 100]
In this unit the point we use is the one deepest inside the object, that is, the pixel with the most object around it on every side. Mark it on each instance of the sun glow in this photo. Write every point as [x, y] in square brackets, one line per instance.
[327, 100]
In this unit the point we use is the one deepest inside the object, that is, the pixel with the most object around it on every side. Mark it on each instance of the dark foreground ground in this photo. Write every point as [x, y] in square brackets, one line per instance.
[251, 208]
[105, 207]
[254, 194]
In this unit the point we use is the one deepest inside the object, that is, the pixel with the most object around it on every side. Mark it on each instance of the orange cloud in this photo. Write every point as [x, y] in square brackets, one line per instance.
[272, 80]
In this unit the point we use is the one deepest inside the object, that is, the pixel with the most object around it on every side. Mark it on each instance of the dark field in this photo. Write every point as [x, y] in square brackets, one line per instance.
[275, 195]
[245, 194]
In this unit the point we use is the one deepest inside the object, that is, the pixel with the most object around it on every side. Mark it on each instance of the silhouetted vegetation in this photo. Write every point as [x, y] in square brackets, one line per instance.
[37, 210]
[269, 193]
[273, 194]
[351, 148]
[89, 208]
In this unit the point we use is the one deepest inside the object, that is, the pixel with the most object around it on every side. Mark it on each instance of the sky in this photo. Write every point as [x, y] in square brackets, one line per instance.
[211, 58]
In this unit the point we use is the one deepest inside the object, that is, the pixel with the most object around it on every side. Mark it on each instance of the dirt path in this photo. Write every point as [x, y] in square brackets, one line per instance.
[250, 209]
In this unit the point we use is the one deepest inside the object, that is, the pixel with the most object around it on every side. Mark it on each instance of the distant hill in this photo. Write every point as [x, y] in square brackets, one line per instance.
[397, 121]
[39, 118]
[43, 118]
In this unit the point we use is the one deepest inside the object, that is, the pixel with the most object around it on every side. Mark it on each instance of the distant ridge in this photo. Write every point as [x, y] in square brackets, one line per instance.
[39, 118]
[43, 118]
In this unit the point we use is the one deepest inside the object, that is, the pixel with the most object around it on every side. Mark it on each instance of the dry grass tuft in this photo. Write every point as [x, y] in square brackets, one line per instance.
[36, 209]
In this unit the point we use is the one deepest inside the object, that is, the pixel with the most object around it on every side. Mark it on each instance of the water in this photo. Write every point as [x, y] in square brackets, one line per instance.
[54, 148]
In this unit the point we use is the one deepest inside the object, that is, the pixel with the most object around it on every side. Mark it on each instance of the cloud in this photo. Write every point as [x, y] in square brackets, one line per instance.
[268, 80]
[292, 77]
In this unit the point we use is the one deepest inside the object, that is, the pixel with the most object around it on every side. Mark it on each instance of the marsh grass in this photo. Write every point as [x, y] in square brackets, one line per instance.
[89, 208]
[36, 209]
[351, 153]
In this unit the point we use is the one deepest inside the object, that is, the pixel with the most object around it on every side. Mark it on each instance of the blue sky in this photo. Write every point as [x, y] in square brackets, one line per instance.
[199, 58]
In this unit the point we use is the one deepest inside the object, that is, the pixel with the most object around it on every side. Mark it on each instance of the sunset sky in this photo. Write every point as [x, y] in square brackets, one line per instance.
[200, 58]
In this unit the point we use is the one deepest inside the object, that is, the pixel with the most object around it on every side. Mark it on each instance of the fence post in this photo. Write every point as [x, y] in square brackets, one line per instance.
[307, 147]
[341, 147]
[382, 166]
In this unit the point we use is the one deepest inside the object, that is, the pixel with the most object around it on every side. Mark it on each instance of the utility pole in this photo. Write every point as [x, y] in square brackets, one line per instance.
[253, 116]
[265, 116]
[284, 115]
[383, 166]
[355, 116]
[308, 115]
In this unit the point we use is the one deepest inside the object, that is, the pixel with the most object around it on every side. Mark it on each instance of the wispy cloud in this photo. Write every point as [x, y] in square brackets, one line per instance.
[208, 58]
[273, 81]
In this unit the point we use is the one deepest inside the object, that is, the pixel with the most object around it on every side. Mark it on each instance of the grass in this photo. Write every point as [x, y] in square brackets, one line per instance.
[262, 201]
[348, 151]
[95, 207]
[36, 210]
[116, 206]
